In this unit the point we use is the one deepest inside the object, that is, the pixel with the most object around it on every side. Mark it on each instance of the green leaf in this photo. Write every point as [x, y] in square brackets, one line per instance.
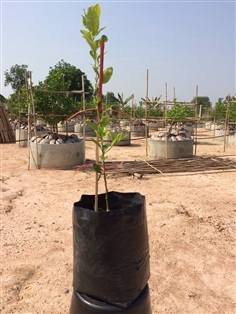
[89, 40]
[92, 125]
[104, 37]
[105, 147]
[107, 74]
[93, 54]
[104, 121]
[97, 168]
[97, 43]
[96, 70]
[96, 142]
[117, 137]
[128, 99]
[91, 19]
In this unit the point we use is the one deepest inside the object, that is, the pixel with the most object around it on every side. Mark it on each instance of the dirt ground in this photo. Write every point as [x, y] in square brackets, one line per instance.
[191, 223]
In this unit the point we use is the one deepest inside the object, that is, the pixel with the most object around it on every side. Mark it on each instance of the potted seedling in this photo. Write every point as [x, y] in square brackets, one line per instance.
[111, 268]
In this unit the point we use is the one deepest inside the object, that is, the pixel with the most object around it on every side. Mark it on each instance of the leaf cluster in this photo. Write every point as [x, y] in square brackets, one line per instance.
[179, 112]
[16, 76]
[103, 132]
[91, 22]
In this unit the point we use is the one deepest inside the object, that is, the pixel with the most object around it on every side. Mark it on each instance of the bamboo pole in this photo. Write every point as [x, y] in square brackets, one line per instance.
[196, 104]
[98, 117]
[226, 121]
[35, 130]
[132, 105]
[146, 113]
[57, 92]
[28, 118]
[83, 99]
[166, 137]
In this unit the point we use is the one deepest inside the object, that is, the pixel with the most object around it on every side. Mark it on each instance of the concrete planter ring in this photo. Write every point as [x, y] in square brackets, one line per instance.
[220, 134]
[138, 130]
[153, 126]
[58, 155]
[124, 123]
[66, 127]
[22, 135]
[174, 144]
[169, 149]
[89, 132]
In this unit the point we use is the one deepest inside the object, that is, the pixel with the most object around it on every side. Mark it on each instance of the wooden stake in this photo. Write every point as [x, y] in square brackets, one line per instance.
[83, 98]
[166, 119]
[196, 103]
[146, 113]
[34, 118]
[226, 121]
[98, 117]
[28, 119]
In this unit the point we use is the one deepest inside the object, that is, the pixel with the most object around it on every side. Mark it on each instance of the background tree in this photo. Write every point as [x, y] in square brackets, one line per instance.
[179, 113]
[52, 106]
[74, 76]
[138, 111]
[232, 113]
[204, 102]
[232, 107]
[123, 102]
[219, 111]
[16, 77]
[110, 98]
[18, 106]
[110, 102]
[156, 112]
[2, 99]
[57, 107]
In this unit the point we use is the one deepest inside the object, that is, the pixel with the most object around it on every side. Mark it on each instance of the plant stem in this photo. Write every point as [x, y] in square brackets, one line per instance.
[105, 181]
[104, 177]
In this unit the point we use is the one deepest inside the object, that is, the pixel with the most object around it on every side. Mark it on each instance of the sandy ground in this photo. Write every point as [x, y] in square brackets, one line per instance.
[191, 222]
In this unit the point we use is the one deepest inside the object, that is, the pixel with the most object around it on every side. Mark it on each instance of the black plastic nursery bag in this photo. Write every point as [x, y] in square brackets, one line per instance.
[111, 249]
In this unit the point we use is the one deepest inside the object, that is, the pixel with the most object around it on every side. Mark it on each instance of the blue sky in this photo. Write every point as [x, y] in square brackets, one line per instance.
[182, 43]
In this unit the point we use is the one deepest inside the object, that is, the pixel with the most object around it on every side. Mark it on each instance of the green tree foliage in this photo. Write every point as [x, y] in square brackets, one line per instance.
[18, 104]
[2, 99]
[16, 77]
[111, 103]
[204, 101]
[57, 107]
[232, 113]
[179, 112]
[110, 98]
[219, 111]
[74, 76]
[156, 112]
[232, 108]
[138, 111]
[54, 107]
[123, 102]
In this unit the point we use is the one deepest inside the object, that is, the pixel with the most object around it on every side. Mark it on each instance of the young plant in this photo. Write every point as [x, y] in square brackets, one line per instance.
[102, 132]
[178, 112]
[91, 22]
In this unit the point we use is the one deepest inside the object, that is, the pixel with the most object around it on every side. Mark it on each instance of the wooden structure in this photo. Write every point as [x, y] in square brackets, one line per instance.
[6, 132]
